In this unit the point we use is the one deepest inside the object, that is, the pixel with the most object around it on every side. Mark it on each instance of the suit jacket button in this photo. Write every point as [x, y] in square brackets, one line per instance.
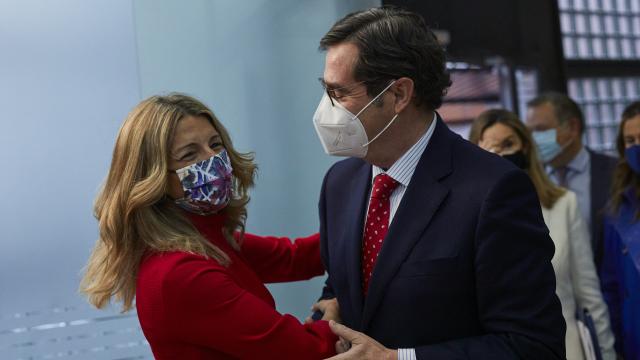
[625, 251]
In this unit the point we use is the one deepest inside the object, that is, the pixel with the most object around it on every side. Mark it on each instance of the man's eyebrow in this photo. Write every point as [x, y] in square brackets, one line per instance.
[330, 85]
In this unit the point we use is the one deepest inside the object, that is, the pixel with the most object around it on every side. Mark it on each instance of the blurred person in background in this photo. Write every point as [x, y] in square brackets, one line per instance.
[558, 127]
[620, 272]
[171, 217]
[501, 132]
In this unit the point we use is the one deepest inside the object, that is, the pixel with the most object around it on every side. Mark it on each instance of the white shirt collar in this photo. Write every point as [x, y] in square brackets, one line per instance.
[403, 169]
[579, 164]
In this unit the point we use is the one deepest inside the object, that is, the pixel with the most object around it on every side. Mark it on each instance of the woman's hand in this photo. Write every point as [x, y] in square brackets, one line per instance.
[329, 308]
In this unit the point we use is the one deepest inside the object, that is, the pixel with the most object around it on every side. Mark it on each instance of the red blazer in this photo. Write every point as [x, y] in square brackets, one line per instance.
[190, 307]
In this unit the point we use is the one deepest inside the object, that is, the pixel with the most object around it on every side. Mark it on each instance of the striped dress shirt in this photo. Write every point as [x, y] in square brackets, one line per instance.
[402, 172]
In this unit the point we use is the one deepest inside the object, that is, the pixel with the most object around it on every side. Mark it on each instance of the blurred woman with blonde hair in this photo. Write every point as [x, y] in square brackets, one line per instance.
[171, 216]
[501, 132]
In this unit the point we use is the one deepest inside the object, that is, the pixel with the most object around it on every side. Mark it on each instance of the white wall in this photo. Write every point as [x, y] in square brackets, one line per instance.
[68, 76]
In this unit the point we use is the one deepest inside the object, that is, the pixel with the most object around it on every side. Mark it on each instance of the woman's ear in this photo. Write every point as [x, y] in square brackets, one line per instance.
[575, 126]
[403, 89]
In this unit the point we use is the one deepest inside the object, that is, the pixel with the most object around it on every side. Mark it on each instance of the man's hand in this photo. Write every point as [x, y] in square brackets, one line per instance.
[330, 309]
[362, 346]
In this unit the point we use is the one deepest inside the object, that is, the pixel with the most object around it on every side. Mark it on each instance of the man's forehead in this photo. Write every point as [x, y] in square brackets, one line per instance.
[342, 53]
[543, 112]
[339, 63]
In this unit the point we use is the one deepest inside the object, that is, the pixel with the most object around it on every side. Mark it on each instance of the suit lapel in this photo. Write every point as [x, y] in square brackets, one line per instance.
[356, 206]
[420, 202]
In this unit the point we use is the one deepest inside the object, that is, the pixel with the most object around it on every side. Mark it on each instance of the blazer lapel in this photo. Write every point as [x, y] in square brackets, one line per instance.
[424, 196]
[356, 206]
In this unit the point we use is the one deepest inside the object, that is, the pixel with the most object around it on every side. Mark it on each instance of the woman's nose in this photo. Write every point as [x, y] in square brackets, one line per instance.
[210, 152]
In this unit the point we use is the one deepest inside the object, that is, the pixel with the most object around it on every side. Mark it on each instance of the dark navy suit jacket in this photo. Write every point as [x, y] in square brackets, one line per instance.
[465, 270]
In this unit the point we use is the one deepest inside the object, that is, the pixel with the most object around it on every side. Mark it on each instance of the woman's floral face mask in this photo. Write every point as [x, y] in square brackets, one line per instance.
[207, 185]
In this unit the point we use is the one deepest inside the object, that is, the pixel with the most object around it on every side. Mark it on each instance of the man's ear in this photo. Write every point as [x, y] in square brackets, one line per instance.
[574, 125]
[403, 89]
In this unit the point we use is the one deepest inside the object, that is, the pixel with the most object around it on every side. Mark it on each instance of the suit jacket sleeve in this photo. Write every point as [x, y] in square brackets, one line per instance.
[515, 282]
[327, 291]
[277, 259]
[212, 310]
[585, 280]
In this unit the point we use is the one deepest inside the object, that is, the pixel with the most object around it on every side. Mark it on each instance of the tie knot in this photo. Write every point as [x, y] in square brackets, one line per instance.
[383, 186]
[561, 175]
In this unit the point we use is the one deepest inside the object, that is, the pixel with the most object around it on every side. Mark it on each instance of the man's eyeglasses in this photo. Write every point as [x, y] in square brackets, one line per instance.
[338, 92]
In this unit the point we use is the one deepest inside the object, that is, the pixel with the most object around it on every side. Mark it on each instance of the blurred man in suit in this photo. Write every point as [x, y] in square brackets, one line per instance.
[558, 126]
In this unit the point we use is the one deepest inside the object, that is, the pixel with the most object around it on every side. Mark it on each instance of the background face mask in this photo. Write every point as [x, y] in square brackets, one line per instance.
[341, 132]
[207, 185]
[632, 155]
[518, 159]
[548, 147]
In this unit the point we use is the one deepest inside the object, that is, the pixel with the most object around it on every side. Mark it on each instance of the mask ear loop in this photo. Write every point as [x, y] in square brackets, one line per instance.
[381, 132]
[374, 99]
[371, 102]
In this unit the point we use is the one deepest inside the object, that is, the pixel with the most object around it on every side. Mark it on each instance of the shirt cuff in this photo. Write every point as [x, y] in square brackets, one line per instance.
[407, 354]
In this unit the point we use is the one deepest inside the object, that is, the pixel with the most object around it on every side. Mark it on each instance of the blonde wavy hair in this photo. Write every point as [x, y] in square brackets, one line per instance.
[548, 192]
[134, 213]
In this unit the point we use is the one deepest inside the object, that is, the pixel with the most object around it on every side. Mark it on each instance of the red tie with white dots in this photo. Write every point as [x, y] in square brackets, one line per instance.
[377, 225]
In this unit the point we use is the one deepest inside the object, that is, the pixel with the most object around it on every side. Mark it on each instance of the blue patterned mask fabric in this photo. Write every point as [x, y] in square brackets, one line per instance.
[207, 185]
[548, 147]
[632, 155]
